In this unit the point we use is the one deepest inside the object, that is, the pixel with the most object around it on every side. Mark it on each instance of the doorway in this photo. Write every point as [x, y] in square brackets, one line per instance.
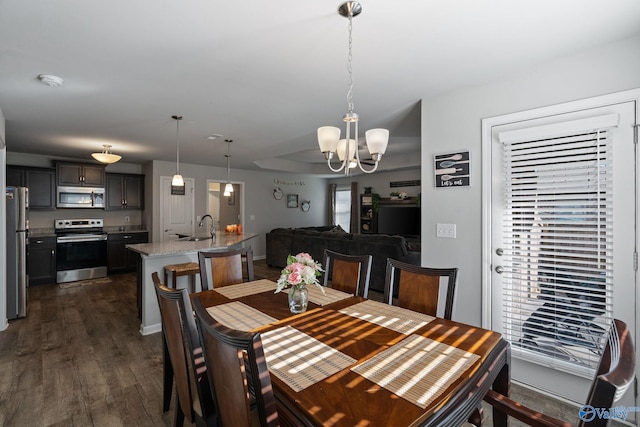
[227, 210]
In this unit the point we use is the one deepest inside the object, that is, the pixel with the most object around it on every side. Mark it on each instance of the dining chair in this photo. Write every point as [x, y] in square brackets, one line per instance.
[418, 288]
[185, 352]
[349, 273]
[238, 370]
[616, 372]
[223, 268]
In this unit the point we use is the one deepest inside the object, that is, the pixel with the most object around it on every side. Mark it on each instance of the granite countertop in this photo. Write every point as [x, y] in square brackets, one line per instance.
[183, 246]
[125, 229]
[42, 232]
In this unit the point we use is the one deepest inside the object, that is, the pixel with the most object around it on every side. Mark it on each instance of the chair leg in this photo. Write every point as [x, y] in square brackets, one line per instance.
[179, 421]
[476, 417]
[167, 373]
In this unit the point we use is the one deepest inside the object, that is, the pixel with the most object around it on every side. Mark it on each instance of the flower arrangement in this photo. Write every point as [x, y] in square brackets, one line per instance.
[300, 270]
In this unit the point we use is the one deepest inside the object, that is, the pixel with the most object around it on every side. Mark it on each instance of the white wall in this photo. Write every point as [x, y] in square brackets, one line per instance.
[452, 121]
[268, 213]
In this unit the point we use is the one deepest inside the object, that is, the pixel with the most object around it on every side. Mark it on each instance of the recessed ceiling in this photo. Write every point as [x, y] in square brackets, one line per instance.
[266, 74]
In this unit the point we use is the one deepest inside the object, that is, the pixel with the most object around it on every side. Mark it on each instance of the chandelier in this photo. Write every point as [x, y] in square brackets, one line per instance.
[228, 188]
[177, 180]
[106, 156]
[329, 136]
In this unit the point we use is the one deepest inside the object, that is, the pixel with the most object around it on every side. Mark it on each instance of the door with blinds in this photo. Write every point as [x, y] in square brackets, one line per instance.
[560, 257]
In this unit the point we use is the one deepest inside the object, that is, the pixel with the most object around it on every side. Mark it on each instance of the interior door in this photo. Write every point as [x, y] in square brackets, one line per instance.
[552, 376]
[176, 211]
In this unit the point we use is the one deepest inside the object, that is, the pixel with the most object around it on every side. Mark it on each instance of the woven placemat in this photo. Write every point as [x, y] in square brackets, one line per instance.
[417, 368]
[300, 360]
[239, 316]
[330, 295]
[249, 288]
[391, 317]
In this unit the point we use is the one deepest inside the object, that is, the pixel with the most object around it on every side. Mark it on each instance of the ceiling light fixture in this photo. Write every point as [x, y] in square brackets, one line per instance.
[106, 156]
[50, 80]
[177, 180]
[228, 188]
[329, 136]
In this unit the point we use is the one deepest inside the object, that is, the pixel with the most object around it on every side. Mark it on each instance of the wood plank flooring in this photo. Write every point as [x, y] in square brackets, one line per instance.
[78, 359]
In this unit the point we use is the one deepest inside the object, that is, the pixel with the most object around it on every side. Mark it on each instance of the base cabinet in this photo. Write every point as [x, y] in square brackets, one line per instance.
[41, 260]
[119, 258]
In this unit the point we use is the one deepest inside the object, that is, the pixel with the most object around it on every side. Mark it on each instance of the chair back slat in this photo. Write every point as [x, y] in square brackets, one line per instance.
[238, 371]
[224, 268]
[347, 273]
[418, 288]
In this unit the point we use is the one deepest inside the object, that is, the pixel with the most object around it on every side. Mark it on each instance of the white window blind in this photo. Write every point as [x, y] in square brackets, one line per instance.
[557, 246]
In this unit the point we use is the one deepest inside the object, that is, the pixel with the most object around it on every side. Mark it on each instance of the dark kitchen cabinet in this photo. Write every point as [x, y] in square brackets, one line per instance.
[41, 183]
[119, 258]
[41, 260]
[124, 191]
[80, 175]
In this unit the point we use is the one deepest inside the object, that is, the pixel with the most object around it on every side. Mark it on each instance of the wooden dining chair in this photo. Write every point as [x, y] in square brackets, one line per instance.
[418, 288]
[349, 273]
[237, 368]
[223, 268]
[616, 372]
[185, 352]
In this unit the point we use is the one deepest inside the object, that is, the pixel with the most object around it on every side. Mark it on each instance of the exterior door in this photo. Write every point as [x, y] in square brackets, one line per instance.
[176, 211]
[560, 238]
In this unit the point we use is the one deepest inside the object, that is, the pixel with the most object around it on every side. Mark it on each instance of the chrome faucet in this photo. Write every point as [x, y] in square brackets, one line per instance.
[212, 230]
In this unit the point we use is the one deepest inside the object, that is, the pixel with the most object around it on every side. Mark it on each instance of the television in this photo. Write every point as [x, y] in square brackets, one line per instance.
[400, 220]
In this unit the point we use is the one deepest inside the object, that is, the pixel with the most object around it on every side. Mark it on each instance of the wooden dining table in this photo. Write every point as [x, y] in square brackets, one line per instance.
[395, 367]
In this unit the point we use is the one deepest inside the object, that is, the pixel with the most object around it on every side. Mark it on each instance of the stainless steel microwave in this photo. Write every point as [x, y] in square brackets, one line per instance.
[80, 197]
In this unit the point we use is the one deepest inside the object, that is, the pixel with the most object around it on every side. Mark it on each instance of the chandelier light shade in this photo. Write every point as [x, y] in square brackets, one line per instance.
[228, 188]
[329, 136]
[177, 180]
[106, 156]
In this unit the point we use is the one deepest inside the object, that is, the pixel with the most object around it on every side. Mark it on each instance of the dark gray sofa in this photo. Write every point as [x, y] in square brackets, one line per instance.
[314, 240]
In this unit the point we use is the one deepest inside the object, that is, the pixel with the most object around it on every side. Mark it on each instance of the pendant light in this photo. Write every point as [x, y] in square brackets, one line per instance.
[106, 156]
[329, 136]
[228, 188]
[177, 180]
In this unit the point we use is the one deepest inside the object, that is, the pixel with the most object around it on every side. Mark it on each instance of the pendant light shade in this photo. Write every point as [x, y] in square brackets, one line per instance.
[177, 180]
[106, 156]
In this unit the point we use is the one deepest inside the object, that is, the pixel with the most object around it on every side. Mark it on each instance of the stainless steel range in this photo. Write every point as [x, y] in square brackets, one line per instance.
[81, 246]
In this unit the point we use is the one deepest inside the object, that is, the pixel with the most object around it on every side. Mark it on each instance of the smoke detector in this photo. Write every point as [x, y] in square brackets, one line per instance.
[50, 80]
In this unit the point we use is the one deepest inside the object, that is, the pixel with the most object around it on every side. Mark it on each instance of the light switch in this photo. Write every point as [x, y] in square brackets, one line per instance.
[252, 217]
[446, 230]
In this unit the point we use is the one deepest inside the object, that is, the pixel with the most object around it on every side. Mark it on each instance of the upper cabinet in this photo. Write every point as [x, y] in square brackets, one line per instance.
[124, 191]
[41, 183]
[80, 175]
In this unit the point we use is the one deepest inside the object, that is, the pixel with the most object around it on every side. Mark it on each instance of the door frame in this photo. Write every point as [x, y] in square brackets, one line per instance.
[241, 200]
[558, 109]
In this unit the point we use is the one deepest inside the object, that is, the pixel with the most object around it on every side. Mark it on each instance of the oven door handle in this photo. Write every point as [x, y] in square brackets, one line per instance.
[82, 238]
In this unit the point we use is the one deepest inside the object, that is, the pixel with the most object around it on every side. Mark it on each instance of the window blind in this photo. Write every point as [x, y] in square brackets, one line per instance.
[557, 243]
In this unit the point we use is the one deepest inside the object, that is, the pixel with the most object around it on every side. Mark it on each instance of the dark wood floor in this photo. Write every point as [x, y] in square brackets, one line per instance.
[78, 359]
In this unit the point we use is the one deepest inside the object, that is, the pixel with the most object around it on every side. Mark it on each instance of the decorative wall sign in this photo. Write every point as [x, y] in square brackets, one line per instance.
[282, 182]
[452, 169]
[412, 183]
[305, 205]
[177, 190]
[277, 193]
[232, 198]
[292, 200]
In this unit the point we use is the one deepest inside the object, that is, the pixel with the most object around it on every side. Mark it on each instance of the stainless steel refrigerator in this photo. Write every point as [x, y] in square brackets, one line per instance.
[17, 228]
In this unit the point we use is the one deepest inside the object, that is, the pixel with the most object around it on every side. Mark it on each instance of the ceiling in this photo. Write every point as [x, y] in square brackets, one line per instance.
[265, 74]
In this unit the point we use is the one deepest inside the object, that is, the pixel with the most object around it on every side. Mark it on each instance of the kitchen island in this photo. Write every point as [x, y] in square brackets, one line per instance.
[153, 258]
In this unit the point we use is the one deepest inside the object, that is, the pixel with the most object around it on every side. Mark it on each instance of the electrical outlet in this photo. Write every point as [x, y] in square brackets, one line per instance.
[127, 218]
[252, 217]
[198, 218]
[446, 230]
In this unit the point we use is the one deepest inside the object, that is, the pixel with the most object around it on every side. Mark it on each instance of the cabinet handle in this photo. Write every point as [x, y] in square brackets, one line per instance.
[38, 242]
[127, 237]
[53, 251]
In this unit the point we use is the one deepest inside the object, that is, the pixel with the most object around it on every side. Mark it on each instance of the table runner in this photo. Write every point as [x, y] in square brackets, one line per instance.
[236, 315]
[300, 360]
[330, 295]
[248, 288]
[391, 317]
[417, 368]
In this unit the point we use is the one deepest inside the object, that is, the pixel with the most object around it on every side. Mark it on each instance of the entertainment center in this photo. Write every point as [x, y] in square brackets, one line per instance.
[390, 216]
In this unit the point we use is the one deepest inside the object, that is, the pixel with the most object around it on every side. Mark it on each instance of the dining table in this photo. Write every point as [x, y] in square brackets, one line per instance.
[352, 361]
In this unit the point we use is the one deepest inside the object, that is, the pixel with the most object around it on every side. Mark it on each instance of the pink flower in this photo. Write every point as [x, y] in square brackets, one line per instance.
[295, 278]
[304, 258]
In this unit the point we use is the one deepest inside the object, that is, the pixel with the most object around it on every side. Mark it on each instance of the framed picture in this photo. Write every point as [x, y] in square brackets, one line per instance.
[232, 198]
[292, 200]
[452, 169]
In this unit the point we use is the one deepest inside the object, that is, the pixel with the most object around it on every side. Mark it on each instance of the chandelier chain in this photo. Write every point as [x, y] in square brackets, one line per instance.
[349, 68]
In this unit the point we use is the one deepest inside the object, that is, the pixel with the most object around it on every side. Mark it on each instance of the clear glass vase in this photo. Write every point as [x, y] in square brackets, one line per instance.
[298, 299]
